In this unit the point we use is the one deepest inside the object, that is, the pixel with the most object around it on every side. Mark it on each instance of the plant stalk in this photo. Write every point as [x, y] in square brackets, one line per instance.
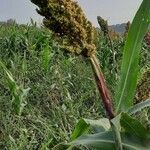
[117, 137]
[106, 99]
[104, 92]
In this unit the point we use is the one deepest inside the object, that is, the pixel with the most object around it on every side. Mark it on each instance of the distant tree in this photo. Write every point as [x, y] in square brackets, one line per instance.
[11, 21]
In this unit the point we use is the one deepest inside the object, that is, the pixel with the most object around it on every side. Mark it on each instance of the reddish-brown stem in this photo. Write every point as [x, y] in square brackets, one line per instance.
[104, 92]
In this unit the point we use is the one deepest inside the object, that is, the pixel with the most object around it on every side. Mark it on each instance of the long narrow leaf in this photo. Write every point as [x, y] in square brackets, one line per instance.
[129, 68]
[81, 128]
[139, 107]
[133, 126]
[105, 141]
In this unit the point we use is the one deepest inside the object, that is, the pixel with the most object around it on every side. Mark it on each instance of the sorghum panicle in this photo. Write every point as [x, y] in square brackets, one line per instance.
[67, 20]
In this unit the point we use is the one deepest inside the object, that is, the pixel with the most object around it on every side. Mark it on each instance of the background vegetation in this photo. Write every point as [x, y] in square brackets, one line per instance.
[55, 88]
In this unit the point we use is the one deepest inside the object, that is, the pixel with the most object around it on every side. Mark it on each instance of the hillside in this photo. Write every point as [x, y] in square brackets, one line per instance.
[120, 28]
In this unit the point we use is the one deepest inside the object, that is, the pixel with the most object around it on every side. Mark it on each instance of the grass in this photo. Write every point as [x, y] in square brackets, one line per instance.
[62, 87]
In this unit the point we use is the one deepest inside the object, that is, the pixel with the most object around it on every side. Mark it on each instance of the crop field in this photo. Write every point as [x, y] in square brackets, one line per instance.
[62, 87]
[45, 90]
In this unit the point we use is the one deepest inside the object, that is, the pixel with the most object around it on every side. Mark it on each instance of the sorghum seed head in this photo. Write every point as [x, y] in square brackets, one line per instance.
[67, 20]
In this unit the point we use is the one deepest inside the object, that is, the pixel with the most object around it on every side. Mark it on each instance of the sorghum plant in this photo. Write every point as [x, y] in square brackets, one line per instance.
[75, 33]
[67, 20]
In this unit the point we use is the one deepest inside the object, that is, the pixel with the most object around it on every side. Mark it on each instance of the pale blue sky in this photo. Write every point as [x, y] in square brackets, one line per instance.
[115, 11]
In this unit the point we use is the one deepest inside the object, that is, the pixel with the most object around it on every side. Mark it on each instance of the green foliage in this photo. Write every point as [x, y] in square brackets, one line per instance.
[46, 57]
[134, 127]
[133, 135]
[99, 125]
[62, 91]
[129, 68]
[57, 97]
[126, 132]
[80, 129]
[138, 107]
[143, 88]
[19, 94]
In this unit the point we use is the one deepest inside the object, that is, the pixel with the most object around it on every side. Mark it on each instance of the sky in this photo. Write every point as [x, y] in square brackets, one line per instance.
[114, 11]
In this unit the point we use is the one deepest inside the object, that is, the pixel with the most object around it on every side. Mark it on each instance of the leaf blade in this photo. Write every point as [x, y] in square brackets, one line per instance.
[81, 128]
[134, 127]
[138, 107]
[105, 141]
[129, 68]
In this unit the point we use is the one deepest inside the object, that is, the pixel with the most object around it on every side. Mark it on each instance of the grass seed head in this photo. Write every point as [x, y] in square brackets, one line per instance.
[127, 27]
[103, 25]
[67, 20]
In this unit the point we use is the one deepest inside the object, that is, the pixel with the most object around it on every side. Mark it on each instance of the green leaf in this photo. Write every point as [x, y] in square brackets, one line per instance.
[133, 136]
[105, 141]
[116, 128]
[138, 107]
[10, 80]
[102, 141]
[133, 126]
[100, 125]
[129, 68]
[46, 56]
[84, 125]
[81, 128]
[22, 102]
[19, 94]
[116, 122]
